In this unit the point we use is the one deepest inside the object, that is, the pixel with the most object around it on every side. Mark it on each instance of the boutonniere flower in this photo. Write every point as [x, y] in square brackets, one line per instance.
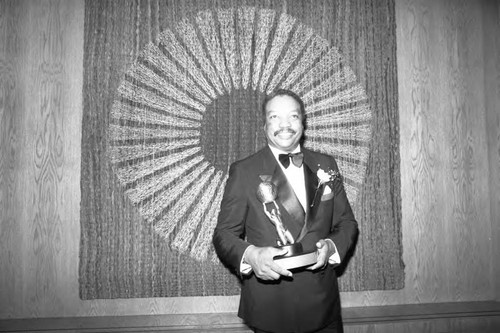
[325, 178]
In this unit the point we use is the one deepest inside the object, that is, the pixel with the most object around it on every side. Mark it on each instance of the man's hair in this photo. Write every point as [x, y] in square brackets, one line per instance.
[284, 92]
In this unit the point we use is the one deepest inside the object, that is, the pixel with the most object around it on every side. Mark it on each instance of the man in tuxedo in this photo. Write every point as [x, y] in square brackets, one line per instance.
[315, 211]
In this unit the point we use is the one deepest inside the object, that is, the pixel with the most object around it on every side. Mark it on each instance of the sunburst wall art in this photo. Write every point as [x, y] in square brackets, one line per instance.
[185, 107]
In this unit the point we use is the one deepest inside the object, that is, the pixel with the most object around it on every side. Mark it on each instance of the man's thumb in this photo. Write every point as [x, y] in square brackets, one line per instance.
[282, 252]
[320, 244]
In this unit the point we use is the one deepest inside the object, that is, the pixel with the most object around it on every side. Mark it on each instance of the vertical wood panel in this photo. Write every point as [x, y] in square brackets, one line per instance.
[71, 15]
[11, 116]
[447, 139]
[467, 216]
[491, 23]
[43, 134]
[449, 92]
[39, 229]
[422, 140]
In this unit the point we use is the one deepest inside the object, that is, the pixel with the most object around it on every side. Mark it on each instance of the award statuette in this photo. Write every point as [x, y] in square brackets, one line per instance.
[295, 257]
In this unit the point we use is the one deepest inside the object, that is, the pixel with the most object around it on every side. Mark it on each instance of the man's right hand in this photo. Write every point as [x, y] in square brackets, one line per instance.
[263, 265]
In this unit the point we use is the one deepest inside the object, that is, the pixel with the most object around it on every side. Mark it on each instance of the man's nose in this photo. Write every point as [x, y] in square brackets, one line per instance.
[285, 123]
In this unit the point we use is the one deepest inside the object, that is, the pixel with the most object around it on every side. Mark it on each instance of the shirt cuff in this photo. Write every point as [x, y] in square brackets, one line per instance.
[245, 268]
[335, 257]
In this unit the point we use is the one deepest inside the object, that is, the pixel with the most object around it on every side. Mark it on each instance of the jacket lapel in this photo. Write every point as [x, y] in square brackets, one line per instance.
[312, 190]
[311, 185]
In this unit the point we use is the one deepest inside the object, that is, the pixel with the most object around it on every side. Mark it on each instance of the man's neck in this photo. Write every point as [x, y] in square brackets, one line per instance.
[278, 151]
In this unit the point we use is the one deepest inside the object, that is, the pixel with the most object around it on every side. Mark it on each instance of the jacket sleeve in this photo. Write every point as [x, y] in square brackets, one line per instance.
[344, 225]
[229, 233]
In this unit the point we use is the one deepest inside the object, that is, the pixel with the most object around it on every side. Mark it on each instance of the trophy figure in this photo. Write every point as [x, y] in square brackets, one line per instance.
[295, 257]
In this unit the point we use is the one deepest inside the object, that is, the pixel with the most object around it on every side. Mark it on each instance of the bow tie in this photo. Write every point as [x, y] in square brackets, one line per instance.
[296, 158]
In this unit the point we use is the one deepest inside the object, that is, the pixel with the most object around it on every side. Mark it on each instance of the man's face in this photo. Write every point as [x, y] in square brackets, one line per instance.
[283, 123]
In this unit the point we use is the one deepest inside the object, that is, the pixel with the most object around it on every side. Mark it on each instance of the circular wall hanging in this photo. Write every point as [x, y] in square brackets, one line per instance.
[190, 105]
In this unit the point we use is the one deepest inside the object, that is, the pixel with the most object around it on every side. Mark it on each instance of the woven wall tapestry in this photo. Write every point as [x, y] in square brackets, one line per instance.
[172, 96]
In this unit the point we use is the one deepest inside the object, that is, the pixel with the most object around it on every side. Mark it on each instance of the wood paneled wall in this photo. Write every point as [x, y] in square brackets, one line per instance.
[41, 56]
[449, 97]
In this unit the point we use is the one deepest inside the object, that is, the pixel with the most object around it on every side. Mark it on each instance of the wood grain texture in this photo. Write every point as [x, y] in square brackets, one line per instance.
[39, 223]
[492, 102]
[462, 204]
[11, 117]
[44, 134]
[443, 101]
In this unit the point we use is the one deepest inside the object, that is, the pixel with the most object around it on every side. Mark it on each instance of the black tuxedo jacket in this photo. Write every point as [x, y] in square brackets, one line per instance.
[309, 300]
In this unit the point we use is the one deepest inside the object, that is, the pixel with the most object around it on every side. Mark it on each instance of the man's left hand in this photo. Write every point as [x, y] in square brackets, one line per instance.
[324, 252]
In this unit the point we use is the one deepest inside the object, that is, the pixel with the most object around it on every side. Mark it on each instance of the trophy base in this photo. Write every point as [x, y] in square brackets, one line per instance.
[296, 258]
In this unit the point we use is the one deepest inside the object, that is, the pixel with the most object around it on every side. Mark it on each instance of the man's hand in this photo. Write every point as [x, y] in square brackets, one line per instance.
[263, 265]
[325, 250]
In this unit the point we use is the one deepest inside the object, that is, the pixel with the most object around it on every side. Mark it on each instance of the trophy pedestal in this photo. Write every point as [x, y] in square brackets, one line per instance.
[295, 257]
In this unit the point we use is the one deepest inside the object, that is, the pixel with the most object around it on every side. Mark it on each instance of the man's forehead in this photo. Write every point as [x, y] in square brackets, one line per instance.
[294, 110]
[282, 102]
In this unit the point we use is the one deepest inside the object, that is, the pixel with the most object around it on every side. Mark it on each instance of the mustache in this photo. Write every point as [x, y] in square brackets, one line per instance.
[284, 130]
